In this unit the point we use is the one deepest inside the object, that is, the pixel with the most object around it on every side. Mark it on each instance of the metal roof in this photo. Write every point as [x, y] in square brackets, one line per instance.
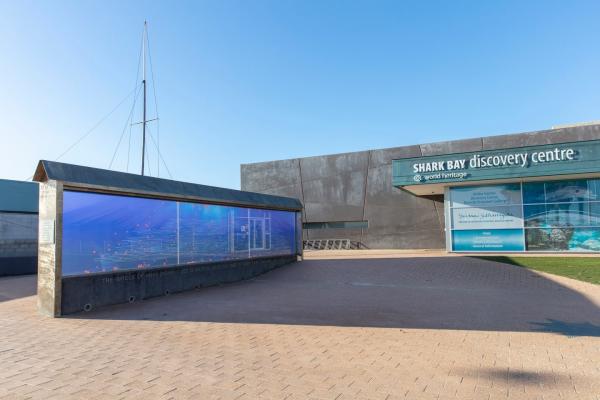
[76, 176]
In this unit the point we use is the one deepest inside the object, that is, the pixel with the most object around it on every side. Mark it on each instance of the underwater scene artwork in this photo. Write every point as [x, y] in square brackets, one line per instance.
[103, 233]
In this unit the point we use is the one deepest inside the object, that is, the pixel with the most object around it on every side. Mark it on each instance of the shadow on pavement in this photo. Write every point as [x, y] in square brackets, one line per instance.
[427, 292]
[518, 377]
[571, 329]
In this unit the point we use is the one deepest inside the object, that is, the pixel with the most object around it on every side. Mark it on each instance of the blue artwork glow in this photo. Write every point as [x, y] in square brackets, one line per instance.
[104, 233]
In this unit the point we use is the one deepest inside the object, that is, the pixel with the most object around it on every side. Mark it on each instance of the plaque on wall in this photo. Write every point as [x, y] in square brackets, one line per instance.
[47, 231]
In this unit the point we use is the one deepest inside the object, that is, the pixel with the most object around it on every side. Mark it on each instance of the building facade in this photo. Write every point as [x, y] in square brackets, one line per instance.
[18, 227]
[534, 191]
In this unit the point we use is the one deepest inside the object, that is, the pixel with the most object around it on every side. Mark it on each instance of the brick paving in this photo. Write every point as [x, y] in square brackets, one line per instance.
[399, 327]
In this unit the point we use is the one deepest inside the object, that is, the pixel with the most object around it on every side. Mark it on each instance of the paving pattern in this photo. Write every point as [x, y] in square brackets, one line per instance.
[371, 328]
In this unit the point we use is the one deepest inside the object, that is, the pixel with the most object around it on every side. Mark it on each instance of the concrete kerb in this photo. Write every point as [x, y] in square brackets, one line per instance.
[396, 253]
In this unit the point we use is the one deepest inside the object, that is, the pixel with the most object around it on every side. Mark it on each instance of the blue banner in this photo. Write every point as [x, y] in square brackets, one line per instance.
[488, 240]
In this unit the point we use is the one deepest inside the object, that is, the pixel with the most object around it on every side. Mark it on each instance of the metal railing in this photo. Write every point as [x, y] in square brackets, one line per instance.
[332, 244]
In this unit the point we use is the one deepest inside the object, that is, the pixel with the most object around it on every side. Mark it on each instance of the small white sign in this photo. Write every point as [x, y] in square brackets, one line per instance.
[47, 231]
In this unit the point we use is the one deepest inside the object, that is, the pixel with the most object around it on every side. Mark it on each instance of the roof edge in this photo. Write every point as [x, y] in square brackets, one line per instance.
[86, 178]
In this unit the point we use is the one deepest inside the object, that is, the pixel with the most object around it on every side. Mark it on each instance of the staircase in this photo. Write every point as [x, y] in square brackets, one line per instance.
[333, 244]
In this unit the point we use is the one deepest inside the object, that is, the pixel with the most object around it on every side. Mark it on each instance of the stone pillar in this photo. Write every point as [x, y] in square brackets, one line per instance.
[299, 235]
[50, 248]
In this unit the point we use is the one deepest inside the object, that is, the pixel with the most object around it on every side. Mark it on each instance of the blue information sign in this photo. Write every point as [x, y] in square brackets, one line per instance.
[488, 240]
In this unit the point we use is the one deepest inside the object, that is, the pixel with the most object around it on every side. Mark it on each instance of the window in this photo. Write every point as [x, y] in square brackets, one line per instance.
[487, 218]
[534, 216]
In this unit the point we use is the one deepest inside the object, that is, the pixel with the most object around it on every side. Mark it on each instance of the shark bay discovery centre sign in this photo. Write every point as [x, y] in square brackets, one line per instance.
[545, 160]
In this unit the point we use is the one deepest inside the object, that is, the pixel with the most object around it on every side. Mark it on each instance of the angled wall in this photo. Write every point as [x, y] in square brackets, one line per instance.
[358, 187]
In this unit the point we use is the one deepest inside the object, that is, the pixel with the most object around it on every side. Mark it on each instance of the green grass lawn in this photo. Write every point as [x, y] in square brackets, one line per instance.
[585, 269]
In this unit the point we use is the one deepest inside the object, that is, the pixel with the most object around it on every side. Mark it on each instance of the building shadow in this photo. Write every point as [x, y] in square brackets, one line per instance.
[570, 329]
[517, 377]
[461, 293]
[16, 287]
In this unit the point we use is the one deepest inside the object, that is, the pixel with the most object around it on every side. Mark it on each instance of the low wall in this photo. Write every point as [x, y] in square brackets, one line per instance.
[87, 292]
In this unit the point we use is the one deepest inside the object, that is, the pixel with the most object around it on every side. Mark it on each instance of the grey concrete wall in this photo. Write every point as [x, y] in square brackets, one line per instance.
[358, 186]
[88, 292]
[18, 227]
[18, 243]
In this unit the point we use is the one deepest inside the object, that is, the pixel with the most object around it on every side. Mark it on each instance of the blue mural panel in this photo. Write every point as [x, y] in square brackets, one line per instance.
[103, 233]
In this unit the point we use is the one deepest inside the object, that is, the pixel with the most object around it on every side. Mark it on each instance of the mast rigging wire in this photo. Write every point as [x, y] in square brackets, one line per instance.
[124, 129]
[96, 125]
[160, 155]
[155, 102]
[93, 128]
[135, 91]
[137, 76]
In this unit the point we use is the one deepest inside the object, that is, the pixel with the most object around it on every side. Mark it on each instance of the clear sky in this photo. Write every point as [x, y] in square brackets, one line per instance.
[248, 81]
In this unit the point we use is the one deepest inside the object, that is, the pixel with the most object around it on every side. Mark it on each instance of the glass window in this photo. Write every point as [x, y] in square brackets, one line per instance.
[567, 214]
[106, 233]
[534, 192]
[486, 196]
[557, 216]
[585, 239]
[595, 213]
[563, 239]
[535, 215]
[594, 189]
[564, 191]
[548, 239]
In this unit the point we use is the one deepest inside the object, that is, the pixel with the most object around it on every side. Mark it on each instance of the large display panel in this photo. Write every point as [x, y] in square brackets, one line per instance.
[488, 240]
[532, 216]
[487, 218]
[562, 215]
[104, 233]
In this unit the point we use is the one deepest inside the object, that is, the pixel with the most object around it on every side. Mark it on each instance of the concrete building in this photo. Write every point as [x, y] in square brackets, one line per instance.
[18, 227]
[534, 191]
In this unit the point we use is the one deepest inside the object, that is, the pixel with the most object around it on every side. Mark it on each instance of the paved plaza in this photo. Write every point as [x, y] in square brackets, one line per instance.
[386, 326]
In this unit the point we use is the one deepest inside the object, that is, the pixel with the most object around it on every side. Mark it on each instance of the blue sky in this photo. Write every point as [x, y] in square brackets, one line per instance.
[248, 81]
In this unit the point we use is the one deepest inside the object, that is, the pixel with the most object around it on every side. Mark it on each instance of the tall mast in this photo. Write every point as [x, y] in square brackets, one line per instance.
[144, 38]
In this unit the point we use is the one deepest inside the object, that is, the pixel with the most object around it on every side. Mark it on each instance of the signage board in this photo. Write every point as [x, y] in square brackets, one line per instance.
[532, 161]
[502, 217]
[488, 240]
